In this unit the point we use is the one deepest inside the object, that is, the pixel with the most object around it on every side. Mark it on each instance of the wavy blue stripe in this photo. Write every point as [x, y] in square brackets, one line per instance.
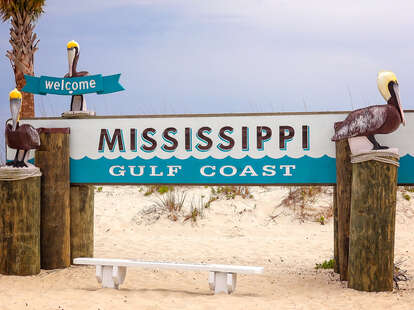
[308, 170]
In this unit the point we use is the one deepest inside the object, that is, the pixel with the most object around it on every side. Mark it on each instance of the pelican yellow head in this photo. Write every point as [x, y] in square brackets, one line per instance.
[388, 86]
[383, 80]
[73, 49]
[15, 94]
[72, 44]
[15, 105]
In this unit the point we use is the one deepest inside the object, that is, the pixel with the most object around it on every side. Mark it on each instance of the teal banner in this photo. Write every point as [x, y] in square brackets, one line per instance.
[73, 86]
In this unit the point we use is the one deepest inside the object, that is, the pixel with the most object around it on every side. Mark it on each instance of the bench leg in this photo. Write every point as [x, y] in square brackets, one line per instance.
[222, 282]
[110, 276]
[99, 273]
[118, 275]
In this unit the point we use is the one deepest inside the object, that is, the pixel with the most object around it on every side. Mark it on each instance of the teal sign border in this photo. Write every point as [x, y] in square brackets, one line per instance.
[72, 86]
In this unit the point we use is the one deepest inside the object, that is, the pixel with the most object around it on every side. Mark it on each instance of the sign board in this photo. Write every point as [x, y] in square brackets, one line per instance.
[72, 86]
[268, 148]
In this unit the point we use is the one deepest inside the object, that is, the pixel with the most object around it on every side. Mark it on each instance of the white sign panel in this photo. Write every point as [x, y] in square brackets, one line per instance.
[212, 149]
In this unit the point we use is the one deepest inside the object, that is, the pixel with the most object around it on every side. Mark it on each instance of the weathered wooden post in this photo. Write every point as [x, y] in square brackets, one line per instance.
[81, 212]
[374, 180]
[335, 223]
[20, 224]
[53, 160]
[19, 198]
[81, 220]
[343, 204]
[372, 226]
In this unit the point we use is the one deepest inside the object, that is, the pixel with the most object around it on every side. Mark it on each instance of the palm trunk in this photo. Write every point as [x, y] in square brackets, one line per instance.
[27, 98]
[24, 44]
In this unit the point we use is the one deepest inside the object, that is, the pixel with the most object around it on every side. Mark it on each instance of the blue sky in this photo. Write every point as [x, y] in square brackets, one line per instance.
[221, 56]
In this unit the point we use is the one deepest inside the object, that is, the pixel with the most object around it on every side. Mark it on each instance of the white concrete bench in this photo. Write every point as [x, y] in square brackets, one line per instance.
[111, 272]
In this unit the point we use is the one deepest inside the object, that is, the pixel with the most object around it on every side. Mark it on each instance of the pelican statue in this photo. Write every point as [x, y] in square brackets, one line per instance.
[23, 138]
[378, 119]
[78, 102]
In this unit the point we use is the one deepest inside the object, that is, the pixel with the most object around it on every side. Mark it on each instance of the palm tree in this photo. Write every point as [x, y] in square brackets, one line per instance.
[23, 14]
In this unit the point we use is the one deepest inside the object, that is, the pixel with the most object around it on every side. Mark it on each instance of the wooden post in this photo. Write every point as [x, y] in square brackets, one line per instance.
[20, 226]
[81, 212]
[335, 223]
[372, 227]
[53, 160]
[81, 221]
[343, 189]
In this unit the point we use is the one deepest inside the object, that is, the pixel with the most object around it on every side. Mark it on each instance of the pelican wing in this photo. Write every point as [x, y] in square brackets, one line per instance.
[362, 122]
[32, 136]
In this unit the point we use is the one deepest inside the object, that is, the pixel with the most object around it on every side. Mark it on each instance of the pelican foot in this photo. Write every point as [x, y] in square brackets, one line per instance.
[380, 147]
[11, 163]
[20, 164]
[375, 144]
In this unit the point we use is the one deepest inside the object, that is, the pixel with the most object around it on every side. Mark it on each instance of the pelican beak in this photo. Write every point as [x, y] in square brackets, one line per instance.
[397, 97]
[71, 58]
[15, 105]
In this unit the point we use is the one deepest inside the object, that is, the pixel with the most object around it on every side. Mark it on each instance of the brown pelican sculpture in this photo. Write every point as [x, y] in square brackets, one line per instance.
[378, 119]
[23, 138]
[78, 102]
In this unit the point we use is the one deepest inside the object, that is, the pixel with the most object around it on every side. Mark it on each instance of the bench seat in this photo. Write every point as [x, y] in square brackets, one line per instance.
[111, 272]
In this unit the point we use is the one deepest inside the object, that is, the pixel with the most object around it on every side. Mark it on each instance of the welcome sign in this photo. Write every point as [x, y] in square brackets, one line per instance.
[285, 148]
[72, 86]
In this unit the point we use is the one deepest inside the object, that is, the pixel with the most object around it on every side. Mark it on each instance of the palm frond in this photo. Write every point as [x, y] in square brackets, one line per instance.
[11, 8]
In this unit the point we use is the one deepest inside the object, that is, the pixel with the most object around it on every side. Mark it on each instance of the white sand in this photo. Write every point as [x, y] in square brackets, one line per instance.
[237, 231]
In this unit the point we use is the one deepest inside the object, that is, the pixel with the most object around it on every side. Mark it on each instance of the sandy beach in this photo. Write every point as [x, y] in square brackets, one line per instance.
[258, 230]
